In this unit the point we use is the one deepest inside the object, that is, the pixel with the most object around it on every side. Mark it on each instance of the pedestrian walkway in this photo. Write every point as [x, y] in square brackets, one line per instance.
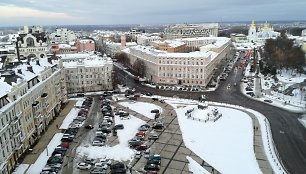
[48, 135]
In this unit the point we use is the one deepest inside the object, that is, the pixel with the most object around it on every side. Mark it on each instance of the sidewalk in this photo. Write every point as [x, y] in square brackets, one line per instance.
[47, 136]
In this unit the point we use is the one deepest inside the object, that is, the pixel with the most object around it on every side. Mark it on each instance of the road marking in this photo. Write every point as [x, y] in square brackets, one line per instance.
[282, 132]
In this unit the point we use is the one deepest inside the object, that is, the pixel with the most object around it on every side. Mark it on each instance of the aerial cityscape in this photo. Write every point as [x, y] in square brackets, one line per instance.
[133, 87]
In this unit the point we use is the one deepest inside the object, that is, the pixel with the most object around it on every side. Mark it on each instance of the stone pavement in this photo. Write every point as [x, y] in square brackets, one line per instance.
[48, 135]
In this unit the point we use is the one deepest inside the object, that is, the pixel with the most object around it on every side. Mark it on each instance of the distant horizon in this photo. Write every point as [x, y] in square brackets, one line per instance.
[162, 24]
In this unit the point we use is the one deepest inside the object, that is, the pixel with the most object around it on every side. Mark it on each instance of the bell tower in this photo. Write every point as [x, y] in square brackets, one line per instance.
[252, 37]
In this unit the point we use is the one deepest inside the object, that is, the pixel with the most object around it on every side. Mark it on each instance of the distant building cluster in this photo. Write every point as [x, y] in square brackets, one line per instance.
[191, 30]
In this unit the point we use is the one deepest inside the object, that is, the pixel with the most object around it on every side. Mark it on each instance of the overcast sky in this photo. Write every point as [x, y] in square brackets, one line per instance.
[107, 12]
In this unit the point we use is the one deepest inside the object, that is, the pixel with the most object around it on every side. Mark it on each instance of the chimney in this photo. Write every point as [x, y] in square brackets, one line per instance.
[19, 71]
[30, 68]
[50, 60]
[17, 49]
[37, 62]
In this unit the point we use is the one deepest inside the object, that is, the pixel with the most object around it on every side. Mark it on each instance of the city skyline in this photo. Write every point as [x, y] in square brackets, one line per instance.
[55, 12]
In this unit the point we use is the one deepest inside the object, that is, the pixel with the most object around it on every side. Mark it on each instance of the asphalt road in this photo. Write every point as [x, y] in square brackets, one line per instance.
[288, 134]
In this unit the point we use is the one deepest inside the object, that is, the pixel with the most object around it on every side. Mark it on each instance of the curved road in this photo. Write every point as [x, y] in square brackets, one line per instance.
[288, 134]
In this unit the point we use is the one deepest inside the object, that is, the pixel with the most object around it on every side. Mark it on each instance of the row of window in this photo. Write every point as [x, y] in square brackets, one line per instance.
[167, 68]
[181, 75]
[184, 81]
[181, 62]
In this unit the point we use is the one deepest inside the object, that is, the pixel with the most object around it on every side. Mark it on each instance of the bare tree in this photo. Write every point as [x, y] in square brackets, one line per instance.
[139, 67]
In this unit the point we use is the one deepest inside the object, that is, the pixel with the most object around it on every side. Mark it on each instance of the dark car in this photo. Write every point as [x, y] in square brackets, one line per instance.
[119, 126]
[89, 126]
[151, 167]
[149, 94]
[135, 143]
[155, 99]
[141, 147]
[268, 101]
[118, 168]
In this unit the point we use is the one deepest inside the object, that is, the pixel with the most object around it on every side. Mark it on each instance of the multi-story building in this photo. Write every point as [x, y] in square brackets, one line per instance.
[146, 39]
[85, 45]
[63, 35]
[31, 94]
[63, 48]
[171, 46]
[191, 30]
[87, 72]
[190, 69]
[32, 42]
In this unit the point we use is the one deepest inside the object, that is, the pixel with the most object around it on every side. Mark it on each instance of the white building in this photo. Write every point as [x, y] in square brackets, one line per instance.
[191, 30]
[261, 34]
[31, 94]
[147, 40]
[191, 69]
[63, 35]
[87, 72]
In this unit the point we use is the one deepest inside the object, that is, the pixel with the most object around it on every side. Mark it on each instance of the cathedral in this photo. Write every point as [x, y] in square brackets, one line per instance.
[262, 33]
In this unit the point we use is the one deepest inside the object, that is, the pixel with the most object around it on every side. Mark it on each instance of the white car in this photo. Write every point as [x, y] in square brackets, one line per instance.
[101, 165]
[84, 166]
[106, 161]
[138, 155]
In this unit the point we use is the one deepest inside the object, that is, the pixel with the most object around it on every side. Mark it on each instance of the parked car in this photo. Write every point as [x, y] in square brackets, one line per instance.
[268, 101]
[146, 153]
[155, 99]
[98, 171]
[141, 147]
[118, 168]
[143, 128]
[158, 125]
[89, 126]
[162, 101]
[149, 94]
[89, 160]
[133, 144]
[101, 165]
[119, 126]
[153, 137]
[140, 134]
[151, 167]
[83, 166]
[138, 155]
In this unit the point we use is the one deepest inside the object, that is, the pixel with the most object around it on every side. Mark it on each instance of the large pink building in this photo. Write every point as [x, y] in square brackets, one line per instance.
[85, 45]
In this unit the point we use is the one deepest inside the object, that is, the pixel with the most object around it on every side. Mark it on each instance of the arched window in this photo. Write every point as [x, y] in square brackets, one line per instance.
[30, 42]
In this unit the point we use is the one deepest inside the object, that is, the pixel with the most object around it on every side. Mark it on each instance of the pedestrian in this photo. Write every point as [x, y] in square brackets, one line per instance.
[130, 170]
[57, 126]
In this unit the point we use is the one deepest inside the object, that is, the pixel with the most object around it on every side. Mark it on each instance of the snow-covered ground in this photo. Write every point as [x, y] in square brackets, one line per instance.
[69, 118]
[303, 120]
[142, 108]
[226, 144]
[195, 167]
[119, 152]
[41, 161]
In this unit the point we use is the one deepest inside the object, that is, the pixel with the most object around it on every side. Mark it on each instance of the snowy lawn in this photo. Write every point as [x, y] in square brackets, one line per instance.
[41, 161]
[195, 167]
[119, 152]
[69, 118]
[142, 108]
[226, 144]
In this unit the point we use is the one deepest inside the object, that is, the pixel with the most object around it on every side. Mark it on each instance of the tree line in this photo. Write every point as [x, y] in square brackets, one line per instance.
[281, 53]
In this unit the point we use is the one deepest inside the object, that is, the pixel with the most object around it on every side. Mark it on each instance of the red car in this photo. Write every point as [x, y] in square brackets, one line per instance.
[65, 144]
[141, 147]
[140, 134]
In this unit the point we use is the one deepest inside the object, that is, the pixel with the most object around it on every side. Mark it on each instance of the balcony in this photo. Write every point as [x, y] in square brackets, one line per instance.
[15, 121]
[18, 146]
[17, 133]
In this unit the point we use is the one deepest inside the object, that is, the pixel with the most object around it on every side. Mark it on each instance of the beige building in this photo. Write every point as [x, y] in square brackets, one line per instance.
[191, 30]
[87, 72]
[171, 46]
[31, 94]
[191, 69]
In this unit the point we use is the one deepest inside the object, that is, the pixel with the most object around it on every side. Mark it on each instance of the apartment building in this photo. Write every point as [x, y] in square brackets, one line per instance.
[63, 35]
[191, 30]
[190, 69]
[87, 72]
[31, 95]
[171, 46]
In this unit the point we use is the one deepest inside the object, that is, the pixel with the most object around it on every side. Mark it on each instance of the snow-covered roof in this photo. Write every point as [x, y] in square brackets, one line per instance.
[86, 41]
[91, 61]
[63, 46]
[5, 88]
[74, 56]
[170, 43]
[150, 50]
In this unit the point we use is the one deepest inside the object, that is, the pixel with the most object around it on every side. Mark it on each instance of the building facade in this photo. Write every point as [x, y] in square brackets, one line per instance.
[87, 73]
[32, 42]
[63, 35]
[31, 95]
[85, 45]
[191, 30]
[190, 69]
